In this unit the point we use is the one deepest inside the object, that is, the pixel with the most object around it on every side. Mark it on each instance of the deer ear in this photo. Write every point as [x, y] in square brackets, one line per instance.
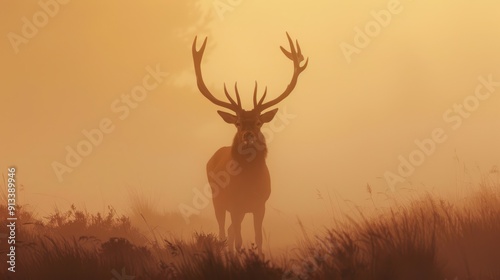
[268, 116]
[229, 118]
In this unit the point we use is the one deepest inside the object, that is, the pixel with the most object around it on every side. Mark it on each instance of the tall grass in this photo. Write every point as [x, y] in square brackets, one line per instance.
[428, 238]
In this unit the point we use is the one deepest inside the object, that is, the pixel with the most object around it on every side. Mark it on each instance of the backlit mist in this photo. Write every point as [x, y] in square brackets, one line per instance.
[388, 83]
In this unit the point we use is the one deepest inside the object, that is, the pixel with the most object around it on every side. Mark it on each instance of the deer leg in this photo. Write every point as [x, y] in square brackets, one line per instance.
[220, 215]
[230, 238]
[258, 218]
[236, 219]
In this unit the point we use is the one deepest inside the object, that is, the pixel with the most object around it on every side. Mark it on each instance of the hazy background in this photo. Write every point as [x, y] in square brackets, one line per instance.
[352, 120]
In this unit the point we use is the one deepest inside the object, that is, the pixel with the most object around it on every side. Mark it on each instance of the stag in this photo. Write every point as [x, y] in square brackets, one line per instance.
[238, 174]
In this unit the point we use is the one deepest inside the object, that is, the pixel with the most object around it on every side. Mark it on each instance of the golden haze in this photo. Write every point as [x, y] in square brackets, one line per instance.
[352, 120]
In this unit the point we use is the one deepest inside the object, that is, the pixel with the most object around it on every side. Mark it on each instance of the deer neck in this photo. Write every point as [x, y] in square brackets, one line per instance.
[249, 154]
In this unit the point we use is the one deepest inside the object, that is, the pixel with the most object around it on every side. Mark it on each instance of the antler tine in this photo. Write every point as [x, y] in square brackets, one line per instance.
[255, 103]
[230, 98]
[290, 42]
[301, 58]
[196, 53]
[262, 98]
[295, 55]
[298, 50]
[255, 95]
[237, 94]
[197, 58]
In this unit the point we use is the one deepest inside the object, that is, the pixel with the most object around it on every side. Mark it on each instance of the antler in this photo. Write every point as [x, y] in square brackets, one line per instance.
[197, 57]
[296, 56]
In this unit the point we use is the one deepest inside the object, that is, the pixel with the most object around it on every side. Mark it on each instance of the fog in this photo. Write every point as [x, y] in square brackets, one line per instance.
[389, 83]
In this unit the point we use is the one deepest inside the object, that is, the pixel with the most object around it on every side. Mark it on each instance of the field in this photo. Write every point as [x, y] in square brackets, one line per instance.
[427, 238]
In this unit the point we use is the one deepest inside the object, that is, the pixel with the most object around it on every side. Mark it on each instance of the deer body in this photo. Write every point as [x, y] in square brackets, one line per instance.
[238, 174]
[247, 190]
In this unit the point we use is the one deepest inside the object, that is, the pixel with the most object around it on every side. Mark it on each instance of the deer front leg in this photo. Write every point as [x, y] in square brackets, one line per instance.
[220, 215]
[235, 230]
[230, 238]
[258, 219]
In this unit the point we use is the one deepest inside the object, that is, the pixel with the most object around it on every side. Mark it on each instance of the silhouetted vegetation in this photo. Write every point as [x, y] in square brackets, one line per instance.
[428, 238]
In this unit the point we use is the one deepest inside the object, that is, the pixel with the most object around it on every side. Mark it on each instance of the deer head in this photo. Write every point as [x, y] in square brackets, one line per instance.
[248, 123]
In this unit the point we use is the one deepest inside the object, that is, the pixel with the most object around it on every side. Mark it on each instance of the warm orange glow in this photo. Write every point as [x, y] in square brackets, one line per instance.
[390, 84]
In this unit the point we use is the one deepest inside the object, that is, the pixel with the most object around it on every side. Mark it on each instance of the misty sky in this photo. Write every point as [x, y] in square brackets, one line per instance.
[425, 70]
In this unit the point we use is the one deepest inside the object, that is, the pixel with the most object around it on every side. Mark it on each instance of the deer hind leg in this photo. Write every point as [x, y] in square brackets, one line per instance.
[230, 238]
[258, 218]
[235, 231]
